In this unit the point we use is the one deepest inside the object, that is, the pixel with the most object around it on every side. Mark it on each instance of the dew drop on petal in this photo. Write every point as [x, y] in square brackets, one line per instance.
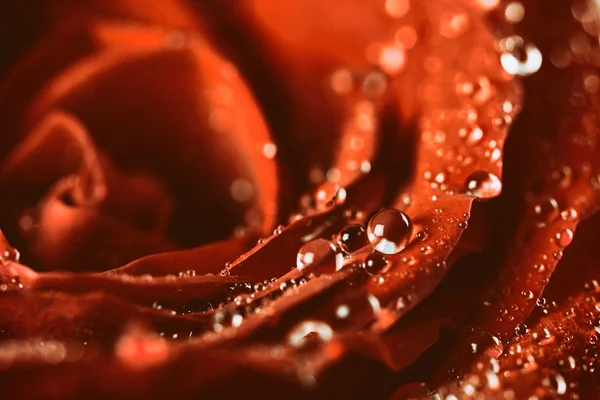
[270, 150]
[397, 8]
[341, 81]
[317, 257]
[308, 331]
[374, 263]
[545, 211]
[355, 308]
[389, 231]
[483, 185]
[514, 12]
[241, 190]
[140, 349]
[352, 238]
[518, 57]
[564, 237]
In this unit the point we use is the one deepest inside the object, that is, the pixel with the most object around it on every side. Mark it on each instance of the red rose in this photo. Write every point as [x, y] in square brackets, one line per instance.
[214, 199]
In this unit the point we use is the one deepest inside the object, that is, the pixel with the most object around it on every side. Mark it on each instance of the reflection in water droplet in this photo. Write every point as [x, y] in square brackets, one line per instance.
[317, 257]
[308, 331]
[520, 58]
[483, 185]
[389, 231]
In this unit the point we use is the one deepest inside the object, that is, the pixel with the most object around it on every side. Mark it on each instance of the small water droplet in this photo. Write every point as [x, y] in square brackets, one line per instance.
[471, 136]
[352, 238]
[397, 8]
[483, 185]
[569, 214]
[270, 150]
[355, 308]
[545, 211]
[485, 341]
[375, 262]
[389, 231]
[518, 57]
[342, 81]
[514, 12]
[242, 190]
[375, 84]
[453, 25]
[309, 331]
[564, 237]
[324, 197]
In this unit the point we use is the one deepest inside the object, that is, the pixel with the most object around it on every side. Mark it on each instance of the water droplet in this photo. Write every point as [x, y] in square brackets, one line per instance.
[309, 331]
[317, 257]
[375, 84]
[483, 185]
[564, 237]
[355, 308]
[389, 231]
[197, 305]
[375, 262]
[514, 12]
[325, 196]
[391, 58]
[241, 190]
[518, 57]
[139, 349]
[453, 25]
[545, 211]
[270, 150]
[485, 341]
[397, 8]
[569, 214]
[559, 384]
[352, 238]
[471, 136]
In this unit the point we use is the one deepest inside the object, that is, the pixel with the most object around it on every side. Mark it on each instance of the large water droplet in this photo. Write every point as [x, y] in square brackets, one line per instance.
[389, 231]
[483, 185]
[317, 257]
[520, 58]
